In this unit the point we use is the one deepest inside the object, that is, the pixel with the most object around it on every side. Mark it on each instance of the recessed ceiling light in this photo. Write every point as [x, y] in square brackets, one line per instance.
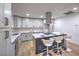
[27, 14]
[41, 16]
[75, 8]
[52, 17]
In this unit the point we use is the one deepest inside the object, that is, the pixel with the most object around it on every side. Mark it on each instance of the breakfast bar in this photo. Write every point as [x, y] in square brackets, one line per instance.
[39, 46]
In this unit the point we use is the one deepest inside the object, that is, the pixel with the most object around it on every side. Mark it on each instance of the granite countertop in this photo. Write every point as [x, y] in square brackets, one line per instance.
[43, 35]
[40, 35]
[16, 35]
[35, 35]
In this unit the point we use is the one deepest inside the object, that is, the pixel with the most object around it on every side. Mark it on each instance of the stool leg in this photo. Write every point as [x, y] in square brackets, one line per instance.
[68, 49]
[58, 49]
[47, 50]
[57, 46]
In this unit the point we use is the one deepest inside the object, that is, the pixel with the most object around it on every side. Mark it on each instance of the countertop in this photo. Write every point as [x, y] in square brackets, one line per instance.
[14, 37]
[43, 35]
[35, 35]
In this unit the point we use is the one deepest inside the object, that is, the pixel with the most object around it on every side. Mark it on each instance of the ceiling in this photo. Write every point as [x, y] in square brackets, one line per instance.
[37, 9]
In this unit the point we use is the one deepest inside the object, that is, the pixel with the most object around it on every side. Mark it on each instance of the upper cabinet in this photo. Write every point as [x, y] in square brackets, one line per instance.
[19, 22]
[5, 15]
[1, 15]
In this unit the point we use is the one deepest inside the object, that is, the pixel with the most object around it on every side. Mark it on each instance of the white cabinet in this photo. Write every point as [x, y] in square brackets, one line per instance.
[1, 43]
[4, 36]
[1, 15]
[1, 32]
[17, 22]
[7, 15]
[14, 22]
[6, 48]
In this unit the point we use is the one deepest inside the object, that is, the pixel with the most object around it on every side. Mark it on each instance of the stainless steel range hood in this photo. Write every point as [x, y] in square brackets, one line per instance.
[48, 17]
[48, 21]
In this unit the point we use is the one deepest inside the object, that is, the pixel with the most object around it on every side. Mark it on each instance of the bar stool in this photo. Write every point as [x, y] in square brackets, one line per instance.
[67, 38]
[58, 41]
[47, 43]
[52, 39]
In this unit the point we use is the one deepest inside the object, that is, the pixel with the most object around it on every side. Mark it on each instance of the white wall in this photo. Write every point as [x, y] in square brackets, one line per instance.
[68, 24]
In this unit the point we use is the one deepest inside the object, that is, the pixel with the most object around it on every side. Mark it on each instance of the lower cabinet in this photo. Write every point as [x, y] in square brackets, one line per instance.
[2, 50]
[6, 48]
[39, 46]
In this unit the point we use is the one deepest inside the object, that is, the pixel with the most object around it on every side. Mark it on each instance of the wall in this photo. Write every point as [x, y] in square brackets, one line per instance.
[68, 24]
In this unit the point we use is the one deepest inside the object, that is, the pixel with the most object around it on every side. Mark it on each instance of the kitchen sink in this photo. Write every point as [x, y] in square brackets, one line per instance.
[47, 33]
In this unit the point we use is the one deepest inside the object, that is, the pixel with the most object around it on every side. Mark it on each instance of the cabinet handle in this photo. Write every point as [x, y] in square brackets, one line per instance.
[6, 34]
[6, 21]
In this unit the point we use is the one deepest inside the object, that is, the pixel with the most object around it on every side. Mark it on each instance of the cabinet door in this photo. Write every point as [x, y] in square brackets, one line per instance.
[14, 22]
[1, 15]
[1, 43]
[6, 48]
[9, 48]
[7, 15]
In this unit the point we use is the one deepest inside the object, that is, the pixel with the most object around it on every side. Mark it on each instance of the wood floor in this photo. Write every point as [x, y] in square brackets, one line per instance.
[27, 49]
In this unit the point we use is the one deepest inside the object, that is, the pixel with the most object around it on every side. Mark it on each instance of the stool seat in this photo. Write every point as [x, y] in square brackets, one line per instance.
[58, 41]
[67, 38]
[47, 43]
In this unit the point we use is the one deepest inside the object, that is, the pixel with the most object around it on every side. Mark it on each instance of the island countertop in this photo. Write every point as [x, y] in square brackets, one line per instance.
[47, 35]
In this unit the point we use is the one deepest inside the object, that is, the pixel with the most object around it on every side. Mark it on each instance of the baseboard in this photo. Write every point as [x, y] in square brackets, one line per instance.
[73, 41]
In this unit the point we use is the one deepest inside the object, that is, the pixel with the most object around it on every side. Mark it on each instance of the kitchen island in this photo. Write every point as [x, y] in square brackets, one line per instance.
[39, 46]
